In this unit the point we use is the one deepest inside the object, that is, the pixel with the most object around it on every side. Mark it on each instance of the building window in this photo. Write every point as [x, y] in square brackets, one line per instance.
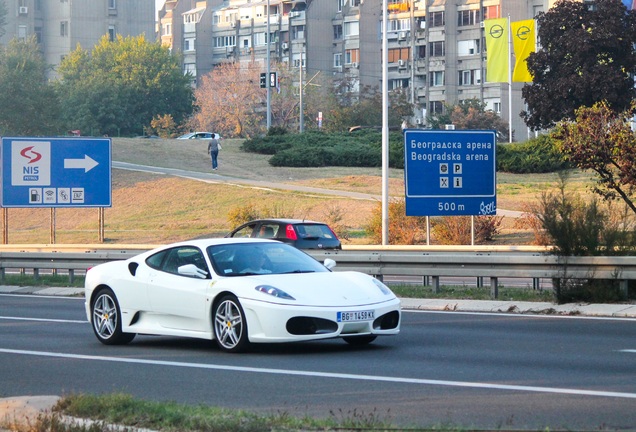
[190, 68]
[396, 54]
[436, 107]
[468, 47]
[396, 84]
[64, 28]
[22, 32]
[437, 19]
[337, 31]
[259, 39]
[189, 44]
[355, 3]
[399, 24]
[351, 56]
[340, 4]
[437, 78]
[166, 29]
[38, 34]
[490, 12]
[298, 32]
[496, 107]
[337, 60]
[224, 41]
[111, 33]
[351, 28]
[112, 4]
[467, 18]
[469, 77]
[437, 49]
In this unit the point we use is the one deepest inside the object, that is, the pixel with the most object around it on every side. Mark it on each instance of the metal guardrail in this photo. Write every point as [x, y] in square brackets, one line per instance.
[427, 262]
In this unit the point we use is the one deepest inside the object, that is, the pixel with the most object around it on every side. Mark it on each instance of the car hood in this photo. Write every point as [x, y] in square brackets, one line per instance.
[319, 289]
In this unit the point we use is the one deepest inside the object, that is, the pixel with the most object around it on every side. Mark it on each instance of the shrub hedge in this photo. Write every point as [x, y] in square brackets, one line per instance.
[363, 148]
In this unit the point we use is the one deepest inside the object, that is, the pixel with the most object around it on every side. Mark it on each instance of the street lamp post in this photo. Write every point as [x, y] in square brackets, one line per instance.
[269, 91]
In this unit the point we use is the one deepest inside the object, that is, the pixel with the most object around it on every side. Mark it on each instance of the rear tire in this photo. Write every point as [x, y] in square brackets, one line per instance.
[106, 319]
[359, 340]
[230, 326]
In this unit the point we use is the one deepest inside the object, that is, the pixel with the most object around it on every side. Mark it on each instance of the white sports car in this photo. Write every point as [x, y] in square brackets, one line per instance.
[236, 291]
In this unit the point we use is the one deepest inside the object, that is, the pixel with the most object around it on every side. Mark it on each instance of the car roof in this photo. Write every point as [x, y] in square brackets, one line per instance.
[203, 243]
[286, 221]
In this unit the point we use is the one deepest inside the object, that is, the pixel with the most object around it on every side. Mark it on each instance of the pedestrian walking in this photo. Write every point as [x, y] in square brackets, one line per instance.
[213, 150]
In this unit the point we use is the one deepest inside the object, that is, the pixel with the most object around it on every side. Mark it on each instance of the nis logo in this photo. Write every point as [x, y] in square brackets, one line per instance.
[30, 171]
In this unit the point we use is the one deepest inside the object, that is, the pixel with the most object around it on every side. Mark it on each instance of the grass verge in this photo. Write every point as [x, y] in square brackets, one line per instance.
[123, 410]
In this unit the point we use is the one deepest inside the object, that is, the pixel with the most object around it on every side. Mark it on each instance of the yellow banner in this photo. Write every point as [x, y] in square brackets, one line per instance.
[523, 43]
[498, 56]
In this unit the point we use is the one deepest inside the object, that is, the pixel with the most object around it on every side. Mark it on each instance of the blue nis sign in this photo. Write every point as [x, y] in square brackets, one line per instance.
[55, 172]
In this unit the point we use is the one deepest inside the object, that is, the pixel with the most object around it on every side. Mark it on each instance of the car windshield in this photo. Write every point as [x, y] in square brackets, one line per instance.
[247, 259]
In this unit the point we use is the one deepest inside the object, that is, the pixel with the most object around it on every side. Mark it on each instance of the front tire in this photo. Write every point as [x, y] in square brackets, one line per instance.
[230, 326]
[106, 319]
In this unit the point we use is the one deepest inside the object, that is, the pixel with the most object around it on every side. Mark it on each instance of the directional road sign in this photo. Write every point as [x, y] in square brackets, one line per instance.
[56, 172]
[450, 173]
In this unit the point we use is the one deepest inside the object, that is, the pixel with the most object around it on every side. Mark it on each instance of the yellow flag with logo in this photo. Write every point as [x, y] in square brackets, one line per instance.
[498, 55]
[523, 43]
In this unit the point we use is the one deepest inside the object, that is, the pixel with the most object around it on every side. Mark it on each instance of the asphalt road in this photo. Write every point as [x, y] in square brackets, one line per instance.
[494, 371]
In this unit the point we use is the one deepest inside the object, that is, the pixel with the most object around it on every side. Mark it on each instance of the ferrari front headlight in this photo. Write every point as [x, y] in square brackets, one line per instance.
[273, 291]
[385, 289]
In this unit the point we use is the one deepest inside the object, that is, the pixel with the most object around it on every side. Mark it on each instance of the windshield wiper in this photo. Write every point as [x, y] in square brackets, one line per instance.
[299, 271]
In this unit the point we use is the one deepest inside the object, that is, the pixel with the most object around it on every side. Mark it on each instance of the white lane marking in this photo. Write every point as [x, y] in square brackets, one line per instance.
[628, 350]
[44, 320]
[40, 296]
[521, 315]
[467, 384]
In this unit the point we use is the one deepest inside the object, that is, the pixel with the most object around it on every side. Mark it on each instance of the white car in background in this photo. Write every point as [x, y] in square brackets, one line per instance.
[199, 135]
[236, 291]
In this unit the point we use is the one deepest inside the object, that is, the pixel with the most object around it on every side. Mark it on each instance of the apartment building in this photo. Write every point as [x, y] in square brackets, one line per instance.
[61, 25]
[436, 48]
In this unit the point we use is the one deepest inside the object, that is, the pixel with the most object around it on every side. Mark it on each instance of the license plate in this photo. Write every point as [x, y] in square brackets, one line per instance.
[356, 316]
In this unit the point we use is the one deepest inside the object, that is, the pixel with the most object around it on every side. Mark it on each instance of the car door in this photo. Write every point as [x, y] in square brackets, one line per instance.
[180, 301]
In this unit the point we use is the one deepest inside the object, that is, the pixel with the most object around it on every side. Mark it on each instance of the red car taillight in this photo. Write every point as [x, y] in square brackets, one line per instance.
[290, 233]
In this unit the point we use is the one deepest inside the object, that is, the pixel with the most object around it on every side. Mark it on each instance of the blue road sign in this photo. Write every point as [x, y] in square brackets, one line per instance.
[450, 173]
[56, 172]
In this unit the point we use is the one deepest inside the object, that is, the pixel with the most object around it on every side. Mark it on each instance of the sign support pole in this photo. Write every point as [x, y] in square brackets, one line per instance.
[100, 215]
[5, 226]
[52, 226]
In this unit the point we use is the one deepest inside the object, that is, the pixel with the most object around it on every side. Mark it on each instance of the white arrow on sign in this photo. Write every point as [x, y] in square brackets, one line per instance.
[86, 164]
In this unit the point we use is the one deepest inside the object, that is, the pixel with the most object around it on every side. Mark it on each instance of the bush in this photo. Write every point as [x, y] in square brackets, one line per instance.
[315, 149]
[404, 230]
[455, 230]
[537, 155]
[579, 228]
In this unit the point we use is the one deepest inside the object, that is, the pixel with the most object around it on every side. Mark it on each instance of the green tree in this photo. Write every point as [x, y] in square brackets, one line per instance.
[602, 141]
[120, 86]
[587, 55]
[470, 114]
[29, 105]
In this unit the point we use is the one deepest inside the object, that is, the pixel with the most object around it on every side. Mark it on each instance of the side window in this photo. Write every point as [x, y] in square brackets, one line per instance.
[246, 231]
[177, 257]
[268, 231]
[154, 261]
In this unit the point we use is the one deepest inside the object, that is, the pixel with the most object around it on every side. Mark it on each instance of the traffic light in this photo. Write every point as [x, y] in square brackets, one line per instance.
[263, 80]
